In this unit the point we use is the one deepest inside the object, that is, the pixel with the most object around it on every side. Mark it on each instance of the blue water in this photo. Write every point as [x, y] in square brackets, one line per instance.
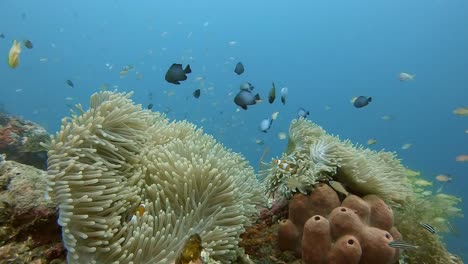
[325, 52]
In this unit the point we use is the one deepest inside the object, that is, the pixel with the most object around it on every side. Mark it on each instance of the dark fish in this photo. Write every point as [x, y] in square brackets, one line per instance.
[362, 101]
[239, 68]
[28, 44]
[150, 106]
[301, 112]
[428, 227]
[196, 93]
[245, 98]
[402, 245]
[175, 74]
[246, 86]
[70, 83]
[272, 94]
[2, 36]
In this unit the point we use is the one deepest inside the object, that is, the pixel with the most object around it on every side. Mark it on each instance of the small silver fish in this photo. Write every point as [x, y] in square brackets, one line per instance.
[428, 227]
[402, 245]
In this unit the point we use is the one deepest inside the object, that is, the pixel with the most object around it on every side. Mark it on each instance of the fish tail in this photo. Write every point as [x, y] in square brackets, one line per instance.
[257, 97]
[187, 69]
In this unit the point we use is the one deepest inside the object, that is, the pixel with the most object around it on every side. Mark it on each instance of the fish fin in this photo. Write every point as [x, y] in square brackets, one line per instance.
[187, 69]
[369, 99]
[257, 97]
[244, 107]
[176, 82]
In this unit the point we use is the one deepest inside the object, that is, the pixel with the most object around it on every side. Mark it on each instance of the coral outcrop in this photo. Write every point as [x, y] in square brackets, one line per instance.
[109, 162]
[28, 228]
[20, 141]
[320, 230]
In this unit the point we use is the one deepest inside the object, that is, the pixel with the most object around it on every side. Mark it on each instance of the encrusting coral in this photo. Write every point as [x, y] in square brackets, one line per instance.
[109, 162]
[321, 231]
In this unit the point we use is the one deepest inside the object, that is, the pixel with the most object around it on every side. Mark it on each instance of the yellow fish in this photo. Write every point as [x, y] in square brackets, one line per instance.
[191, 251]
[13, 57]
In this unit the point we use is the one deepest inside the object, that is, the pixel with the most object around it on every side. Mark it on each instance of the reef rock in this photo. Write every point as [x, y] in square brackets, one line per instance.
[20, 141]
[28, 220]
[321, 230]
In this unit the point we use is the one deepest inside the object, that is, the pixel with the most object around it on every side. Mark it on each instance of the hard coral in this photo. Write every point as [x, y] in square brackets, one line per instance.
[321, 231]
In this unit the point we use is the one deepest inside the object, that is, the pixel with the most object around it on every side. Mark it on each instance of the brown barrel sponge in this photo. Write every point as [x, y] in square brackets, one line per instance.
[299, 209]
[344, 221]
[375, 248]
[381, 214]
[346, 250]
[360, 207]
[316, 240]
[323, 200]
[289, 236]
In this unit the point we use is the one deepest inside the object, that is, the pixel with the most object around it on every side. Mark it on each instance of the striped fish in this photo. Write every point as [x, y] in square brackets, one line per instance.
[428, 227]
[402, 245]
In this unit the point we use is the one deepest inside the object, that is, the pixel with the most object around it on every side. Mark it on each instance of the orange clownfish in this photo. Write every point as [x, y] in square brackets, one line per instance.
[283, 165]
[138, 212]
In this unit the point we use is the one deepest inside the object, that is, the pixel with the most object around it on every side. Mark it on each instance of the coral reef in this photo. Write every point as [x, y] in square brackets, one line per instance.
[321, 231]
[20, 141]
[320, 157]
[109, 162]
[28, 228]
[362, 227]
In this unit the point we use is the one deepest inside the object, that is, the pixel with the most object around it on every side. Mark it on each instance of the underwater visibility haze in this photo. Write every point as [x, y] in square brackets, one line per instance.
[274, 82]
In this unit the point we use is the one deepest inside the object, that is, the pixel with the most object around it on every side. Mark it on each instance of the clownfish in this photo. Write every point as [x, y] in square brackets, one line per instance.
[138, 212]
[285, 166]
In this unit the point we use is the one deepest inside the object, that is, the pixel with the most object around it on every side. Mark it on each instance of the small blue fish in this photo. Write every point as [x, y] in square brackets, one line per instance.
[362, 101]
[302, 113]
[265, 124]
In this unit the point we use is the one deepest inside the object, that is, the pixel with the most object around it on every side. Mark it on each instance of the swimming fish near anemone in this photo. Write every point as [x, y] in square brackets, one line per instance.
[272, 94]
[150, 106]
[402, 245]
[239, 68]
[245, 98]
[28, 44]
[191, 252]
[404, 77]
[140, 210]
[361, 101]
[285, 166]
[284, 94]
[2, 35]
[338, 186]
[265, 124]
[428, 227]
[175, 74]
[443, 178]
[13, 56]
[301, 112]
